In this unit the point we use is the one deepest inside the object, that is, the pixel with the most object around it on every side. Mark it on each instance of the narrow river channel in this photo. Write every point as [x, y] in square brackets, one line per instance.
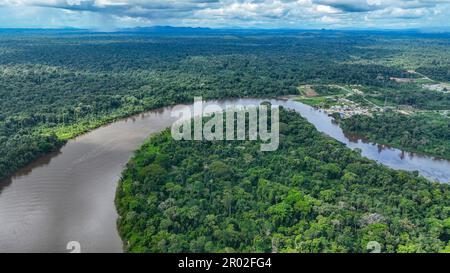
[69, 194]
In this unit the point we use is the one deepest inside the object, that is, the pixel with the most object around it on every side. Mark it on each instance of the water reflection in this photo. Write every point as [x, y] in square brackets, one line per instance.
[434, 168]
[24, 171]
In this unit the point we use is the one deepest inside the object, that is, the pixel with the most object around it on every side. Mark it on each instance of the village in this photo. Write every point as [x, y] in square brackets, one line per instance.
[346, 108]
[339, 104]
[349, 100]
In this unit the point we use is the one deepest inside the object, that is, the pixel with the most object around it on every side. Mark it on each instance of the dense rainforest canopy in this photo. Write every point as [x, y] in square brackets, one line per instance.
[55, 85]
[311, 195]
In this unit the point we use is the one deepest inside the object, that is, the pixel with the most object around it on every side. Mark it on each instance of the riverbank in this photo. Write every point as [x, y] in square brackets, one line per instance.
[404, 127]
[64, 133]
[69, 196]
[192, 196]
[416, 133]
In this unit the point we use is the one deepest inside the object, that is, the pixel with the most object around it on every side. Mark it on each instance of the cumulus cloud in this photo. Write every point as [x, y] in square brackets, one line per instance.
[231, 13]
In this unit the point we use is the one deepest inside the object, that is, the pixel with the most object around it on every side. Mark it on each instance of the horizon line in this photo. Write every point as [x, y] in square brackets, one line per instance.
[418, 30]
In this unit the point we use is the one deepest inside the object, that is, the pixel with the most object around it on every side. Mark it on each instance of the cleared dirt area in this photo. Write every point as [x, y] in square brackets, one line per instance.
[308, 91]
[402, 80]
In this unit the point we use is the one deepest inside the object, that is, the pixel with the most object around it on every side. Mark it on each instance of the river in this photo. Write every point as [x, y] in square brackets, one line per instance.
[69, 195]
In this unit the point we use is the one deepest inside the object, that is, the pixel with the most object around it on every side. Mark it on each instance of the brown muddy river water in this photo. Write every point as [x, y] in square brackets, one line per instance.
[69, 195]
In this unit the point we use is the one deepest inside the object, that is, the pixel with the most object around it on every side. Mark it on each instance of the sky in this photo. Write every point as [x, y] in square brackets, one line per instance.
[300, 14]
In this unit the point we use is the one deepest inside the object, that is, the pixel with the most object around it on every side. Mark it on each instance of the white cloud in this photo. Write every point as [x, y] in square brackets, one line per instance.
[269, 13]
[326, 9]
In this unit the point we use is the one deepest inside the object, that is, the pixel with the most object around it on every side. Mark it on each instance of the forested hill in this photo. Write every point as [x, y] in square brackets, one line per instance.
[312, 195]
